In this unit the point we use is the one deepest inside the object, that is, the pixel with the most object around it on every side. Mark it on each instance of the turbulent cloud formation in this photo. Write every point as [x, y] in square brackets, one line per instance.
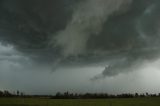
[88, 19]
[118, 34]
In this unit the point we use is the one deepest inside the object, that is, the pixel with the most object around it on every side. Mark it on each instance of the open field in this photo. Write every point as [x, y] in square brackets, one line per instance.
[79, 102]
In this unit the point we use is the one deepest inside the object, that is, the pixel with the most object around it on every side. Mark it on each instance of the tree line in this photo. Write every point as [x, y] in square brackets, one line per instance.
[6, 93]
[67, 95]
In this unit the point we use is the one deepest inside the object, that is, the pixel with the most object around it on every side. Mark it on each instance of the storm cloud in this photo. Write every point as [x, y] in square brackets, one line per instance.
[117, 34]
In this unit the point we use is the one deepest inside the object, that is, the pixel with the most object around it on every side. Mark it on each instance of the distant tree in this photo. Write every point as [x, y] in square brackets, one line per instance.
[66, 94]
[58, 95]
[21, 94]
[147, 94]
[7, 93]
[136, 95]
[153, 95]
[18, 93]
[1, 93]
[142, 95]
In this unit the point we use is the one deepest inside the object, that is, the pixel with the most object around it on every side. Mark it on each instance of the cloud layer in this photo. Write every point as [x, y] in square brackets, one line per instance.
[118, 34]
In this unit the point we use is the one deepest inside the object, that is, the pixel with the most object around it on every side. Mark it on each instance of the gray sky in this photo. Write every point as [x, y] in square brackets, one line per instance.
[110, 46]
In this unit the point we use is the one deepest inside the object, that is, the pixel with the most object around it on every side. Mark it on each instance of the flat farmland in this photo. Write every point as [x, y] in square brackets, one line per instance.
[79, 102]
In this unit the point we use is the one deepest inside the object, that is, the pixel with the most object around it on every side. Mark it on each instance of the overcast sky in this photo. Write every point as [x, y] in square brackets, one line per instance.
[80, 46]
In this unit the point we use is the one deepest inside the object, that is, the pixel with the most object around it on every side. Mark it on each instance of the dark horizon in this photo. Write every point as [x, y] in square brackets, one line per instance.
[70, 95]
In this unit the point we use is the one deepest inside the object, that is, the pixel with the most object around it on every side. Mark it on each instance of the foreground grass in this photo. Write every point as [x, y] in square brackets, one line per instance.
[79, 102]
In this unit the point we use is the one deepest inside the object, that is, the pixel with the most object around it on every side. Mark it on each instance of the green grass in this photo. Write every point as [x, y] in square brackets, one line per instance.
[79, 102]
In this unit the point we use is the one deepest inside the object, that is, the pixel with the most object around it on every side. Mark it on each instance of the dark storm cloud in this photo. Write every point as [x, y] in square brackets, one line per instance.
[122, 32]
[28, 24]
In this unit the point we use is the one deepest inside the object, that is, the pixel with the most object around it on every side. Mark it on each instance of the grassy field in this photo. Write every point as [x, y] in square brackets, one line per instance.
[79, 102]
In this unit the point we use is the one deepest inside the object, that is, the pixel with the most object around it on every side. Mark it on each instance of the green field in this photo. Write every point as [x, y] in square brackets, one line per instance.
[79, 102]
